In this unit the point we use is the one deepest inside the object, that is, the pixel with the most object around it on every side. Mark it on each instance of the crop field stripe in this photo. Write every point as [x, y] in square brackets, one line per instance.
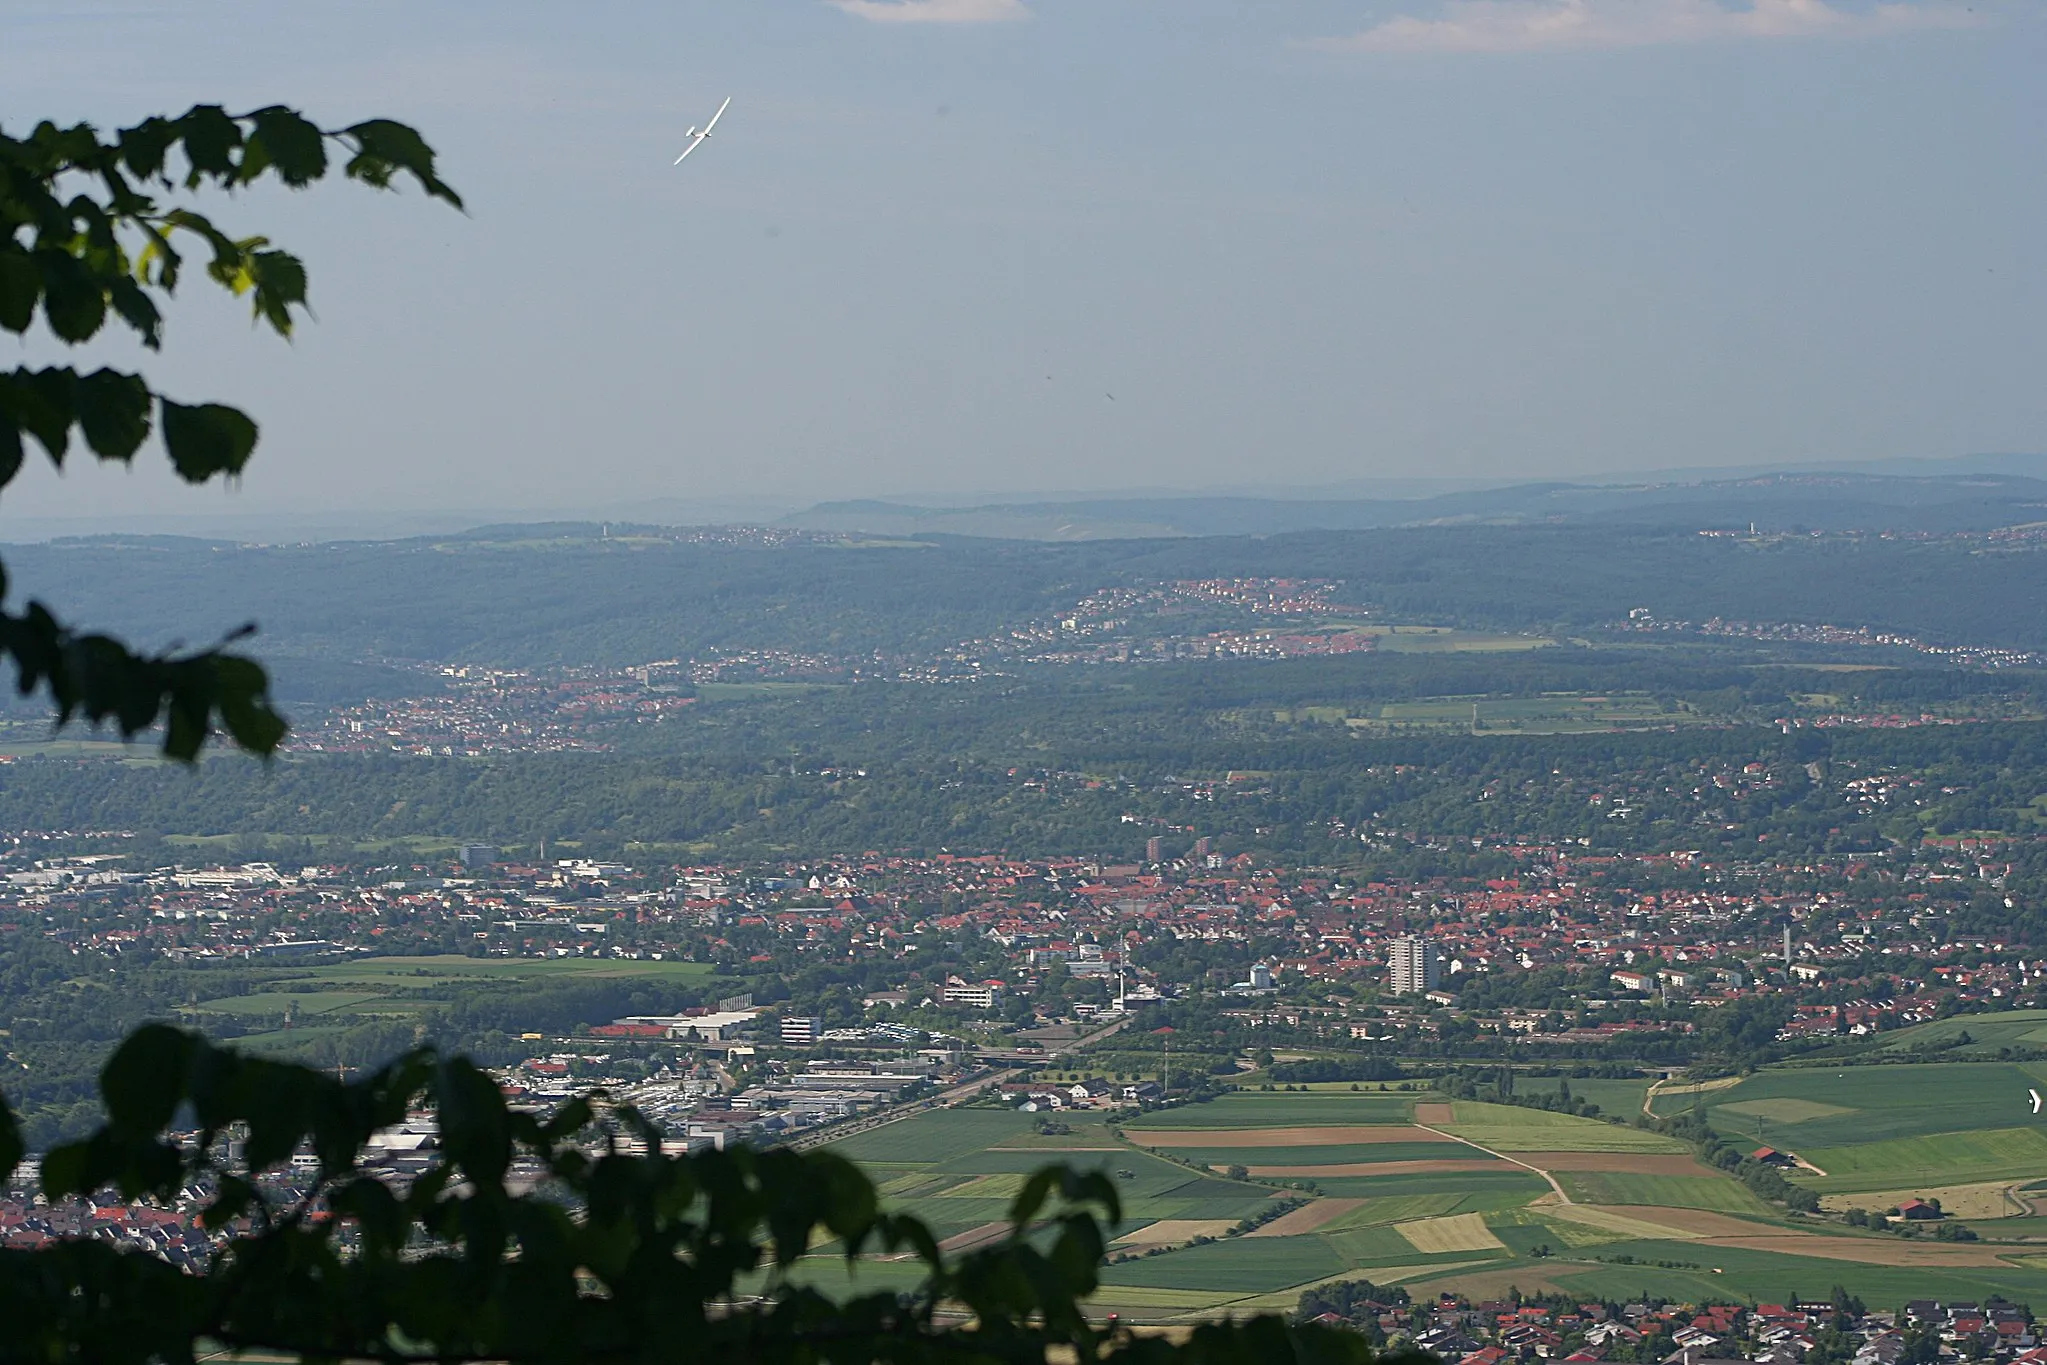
[1957, 1158]
[1461, 1232]
[1313, 1217]
[1370, 1168]
[1332, 1155]
[940, 1135]
[1630, 1163]
[1720, 1193]
[1510, 1183]
[1617, 1223]
[1254, 1109]
[1601, 1137]
[1318, 1135]
[1235, 1264]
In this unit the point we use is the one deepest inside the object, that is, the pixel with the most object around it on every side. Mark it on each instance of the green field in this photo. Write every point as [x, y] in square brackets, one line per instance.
[300, 1003]
[1510, 1128]
[1623, 1099]
[1985, 1032]
[1866, 1103]
[1937, 1159]
[1663, 1191]
[1478, 1191]
[419, 971]
[1400, 1208]
[1280, 1109]
[342, 994]
[1552, 713]
[1338, 1154]
[1241, 1265]
[958, 1168]
[941, 1135]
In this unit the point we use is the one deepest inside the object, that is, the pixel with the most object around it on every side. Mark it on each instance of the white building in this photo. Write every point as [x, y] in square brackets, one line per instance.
[983, 996]
[1413, 965]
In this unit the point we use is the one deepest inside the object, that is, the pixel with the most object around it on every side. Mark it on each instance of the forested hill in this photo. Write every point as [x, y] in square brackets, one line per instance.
[1956, 500]
[577, 595]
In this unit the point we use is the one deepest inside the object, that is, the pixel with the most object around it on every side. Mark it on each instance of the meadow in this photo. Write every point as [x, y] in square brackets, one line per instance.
[341, 993]
[1795, 1108]
[1551, 714]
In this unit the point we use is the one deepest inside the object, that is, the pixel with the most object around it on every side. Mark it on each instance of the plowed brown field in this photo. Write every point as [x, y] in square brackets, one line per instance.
[1315, 1216]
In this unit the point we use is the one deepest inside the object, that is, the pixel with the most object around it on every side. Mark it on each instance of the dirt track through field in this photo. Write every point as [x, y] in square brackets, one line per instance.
[1280, 1137]
[1378, 1168]
[1315, 1216]
[1620, 1163]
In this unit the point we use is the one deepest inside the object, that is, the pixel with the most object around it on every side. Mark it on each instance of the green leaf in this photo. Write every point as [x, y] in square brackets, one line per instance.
[382, 1218]
[210, 139]
[284, 140]
[242, 696]
[207, 439]
[137, 309]
[10, 449]
[12, 1149]
[475, 1129]
[145, 1080]
[384, 147]
[234, 1197]
[74, 303]
[21, 285]
[39, 402]
[113, 412]
[143, 147]
[66, 1170]
[280, 282]
[1032, 1196]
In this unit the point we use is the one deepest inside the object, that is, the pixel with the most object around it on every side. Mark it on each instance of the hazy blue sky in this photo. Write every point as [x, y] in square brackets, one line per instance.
[1300, 241]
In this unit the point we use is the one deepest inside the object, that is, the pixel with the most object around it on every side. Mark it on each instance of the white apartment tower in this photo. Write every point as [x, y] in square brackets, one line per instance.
[1413, 965]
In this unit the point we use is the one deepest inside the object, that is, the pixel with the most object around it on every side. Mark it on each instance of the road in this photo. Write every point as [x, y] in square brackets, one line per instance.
[1562, 1198]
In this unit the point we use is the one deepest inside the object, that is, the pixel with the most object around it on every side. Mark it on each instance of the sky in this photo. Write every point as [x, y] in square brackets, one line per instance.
[955, 248]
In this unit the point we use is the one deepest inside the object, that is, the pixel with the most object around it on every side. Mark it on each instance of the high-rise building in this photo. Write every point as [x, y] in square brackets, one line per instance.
[798, 1031]
[1413, 965]
[1154, 849]
[1203, 846]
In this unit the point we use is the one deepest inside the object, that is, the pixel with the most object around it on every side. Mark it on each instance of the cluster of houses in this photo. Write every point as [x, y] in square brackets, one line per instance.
[1644, 942]
[1503, 1332]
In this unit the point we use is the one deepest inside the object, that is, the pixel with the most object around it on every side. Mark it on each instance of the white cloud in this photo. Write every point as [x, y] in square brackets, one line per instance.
[935, 11]
[1547, 25]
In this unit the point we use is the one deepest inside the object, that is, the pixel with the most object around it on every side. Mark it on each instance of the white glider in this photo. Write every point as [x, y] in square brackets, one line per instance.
[696, 138]
[2036, 1100]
